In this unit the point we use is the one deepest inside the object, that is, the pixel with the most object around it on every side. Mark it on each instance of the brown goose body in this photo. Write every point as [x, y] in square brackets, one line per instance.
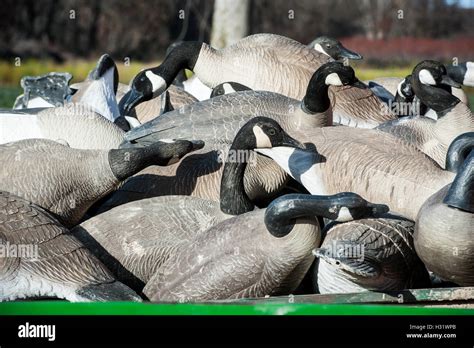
[433, 137]
[59, 265]
[237, 258]
[261, 252]
[371, 163]
[369, 254]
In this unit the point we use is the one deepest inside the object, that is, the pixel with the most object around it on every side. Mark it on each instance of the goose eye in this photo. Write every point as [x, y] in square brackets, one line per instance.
[272, 131]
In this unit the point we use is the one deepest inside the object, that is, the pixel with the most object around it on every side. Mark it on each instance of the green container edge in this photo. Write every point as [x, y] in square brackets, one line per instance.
[133, 308]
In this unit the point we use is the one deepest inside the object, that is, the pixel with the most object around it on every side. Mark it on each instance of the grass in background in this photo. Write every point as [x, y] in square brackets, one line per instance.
[10, 75]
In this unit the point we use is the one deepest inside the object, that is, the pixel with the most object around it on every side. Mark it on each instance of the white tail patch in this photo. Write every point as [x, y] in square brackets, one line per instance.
[100, 96]
[426, 77]
[469, 76]
[333, 79]
[262, 140]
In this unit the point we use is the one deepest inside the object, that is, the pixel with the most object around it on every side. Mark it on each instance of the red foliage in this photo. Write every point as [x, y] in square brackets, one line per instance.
[412, 49]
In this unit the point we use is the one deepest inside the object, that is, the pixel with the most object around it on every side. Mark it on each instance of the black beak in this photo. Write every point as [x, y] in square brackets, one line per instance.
[345, 53]
[378, 209]
[291, 142]
[447, 80]
[129, 101]
[359, 84]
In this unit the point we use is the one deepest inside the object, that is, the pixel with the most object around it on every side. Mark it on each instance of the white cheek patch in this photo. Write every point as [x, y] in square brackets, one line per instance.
[319, 48]
[344, 215]
[469, 76]
[399, 88]
[333, 79]
[228, 88]
[158, 84]
[426, 77]
[263, 141]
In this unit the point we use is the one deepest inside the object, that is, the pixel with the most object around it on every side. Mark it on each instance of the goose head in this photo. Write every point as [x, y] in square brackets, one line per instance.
[263, 133]
[430, 72]
[228, 87]
[444, 237]
[462, 73]
[333, 48]
[146, 85]
[432, 85]
[316, 99]
[258, 133]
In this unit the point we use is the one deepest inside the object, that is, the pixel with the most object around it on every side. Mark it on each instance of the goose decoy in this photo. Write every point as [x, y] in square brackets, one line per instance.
[217, 121]
[333, 48]
[99, 92]
[259, 253]
[76, 124]
[67, 181]
[152, 229]
[454, 118]
[444, 234]
[48, 261]
[43, 91]
[178, 98]
[221, 117]
[462, 73]
[263, 62]
[369, 254]
[371, 163]
[228, 87]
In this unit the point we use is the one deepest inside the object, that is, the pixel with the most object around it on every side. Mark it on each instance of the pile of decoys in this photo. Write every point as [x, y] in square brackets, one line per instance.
[271, 167]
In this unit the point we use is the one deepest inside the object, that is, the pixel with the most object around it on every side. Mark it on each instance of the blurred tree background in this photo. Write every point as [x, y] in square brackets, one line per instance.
[37, 37]
[65, 29]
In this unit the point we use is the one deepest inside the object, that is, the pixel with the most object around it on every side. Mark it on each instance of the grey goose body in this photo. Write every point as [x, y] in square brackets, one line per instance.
[51, 261]
[67, 181]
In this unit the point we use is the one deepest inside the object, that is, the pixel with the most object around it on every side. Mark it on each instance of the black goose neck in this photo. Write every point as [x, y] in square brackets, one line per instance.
[233, 198]
[183, 56]
[461, 192]
[316, 99]
[458, 151]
